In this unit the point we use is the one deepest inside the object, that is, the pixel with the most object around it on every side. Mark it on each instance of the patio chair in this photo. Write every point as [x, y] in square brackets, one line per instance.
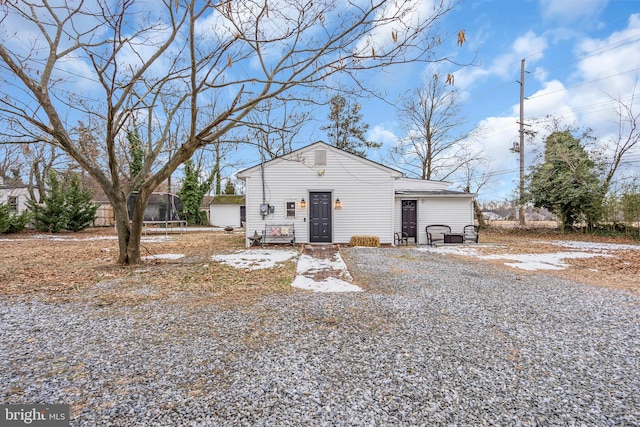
[471, 233]
[436, 233]
[401, 238]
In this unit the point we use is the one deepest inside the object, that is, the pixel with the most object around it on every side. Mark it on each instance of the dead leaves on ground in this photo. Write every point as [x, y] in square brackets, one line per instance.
[619, 271]
[81, 267]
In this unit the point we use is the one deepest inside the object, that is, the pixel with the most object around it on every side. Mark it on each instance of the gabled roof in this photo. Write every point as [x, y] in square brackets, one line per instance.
[228, 199]
[320, 144]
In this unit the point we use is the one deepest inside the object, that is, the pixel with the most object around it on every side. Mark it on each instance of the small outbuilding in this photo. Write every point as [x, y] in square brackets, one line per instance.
[15, 196]
[227, 210]
[328, 195]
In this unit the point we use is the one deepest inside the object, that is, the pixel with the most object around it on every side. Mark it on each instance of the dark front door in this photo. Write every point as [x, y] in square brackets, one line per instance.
[320, 218]
[409, 219]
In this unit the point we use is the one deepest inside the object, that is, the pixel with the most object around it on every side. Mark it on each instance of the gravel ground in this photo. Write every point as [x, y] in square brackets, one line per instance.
[431, 341]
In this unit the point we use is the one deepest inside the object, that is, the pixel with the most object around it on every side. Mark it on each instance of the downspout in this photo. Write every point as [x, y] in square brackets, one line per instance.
[264, 196]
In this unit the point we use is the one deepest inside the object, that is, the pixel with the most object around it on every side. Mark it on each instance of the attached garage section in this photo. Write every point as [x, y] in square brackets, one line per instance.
[452, 208]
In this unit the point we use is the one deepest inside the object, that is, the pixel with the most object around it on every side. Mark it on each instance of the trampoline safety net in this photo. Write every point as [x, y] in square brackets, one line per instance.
[161, 207]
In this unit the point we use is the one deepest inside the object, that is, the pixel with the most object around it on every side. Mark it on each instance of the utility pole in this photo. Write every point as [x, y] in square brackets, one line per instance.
[521, 148]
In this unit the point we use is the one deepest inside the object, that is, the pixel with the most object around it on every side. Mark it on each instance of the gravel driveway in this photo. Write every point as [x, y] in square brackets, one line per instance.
[431, 341]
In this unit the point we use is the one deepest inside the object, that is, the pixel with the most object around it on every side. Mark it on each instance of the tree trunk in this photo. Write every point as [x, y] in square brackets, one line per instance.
[129, 232]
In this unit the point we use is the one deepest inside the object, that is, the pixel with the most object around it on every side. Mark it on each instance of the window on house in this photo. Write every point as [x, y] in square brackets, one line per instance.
[13, 203]
[291, 209]
[321, 157]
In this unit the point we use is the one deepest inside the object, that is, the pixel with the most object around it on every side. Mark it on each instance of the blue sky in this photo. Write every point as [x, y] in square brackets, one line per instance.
[579, 54]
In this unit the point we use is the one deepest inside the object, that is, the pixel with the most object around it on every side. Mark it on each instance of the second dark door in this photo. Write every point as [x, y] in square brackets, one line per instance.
[409, 219]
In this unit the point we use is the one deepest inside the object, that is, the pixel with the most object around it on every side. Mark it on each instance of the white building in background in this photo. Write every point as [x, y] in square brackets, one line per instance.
[15, 196]
[227, 210]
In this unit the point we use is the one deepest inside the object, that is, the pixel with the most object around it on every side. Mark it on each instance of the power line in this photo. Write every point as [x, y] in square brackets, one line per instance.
[583, 83]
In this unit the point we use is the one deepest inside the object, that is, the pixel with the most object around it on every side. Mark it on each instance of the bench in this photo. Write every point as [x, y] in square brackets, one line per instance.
[279, 233]
[436, 233]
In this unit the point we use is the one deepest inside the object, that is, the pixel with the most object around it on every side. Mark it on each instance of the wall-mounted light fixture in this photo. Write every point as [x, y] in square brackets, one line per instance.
[303, 203]
[338, 204]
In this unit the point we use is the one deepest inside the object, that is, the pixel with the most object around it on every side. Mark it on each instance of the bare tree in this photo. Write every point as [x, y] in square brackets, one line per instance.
[476, 176]
[274, 126]
[11, 164]
[110, 63]
[628, 136]
[434, 146]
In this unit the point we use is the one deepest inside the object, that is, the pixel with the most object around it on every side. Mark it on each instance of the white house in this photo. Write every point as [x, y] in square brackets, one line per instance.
[330, 195]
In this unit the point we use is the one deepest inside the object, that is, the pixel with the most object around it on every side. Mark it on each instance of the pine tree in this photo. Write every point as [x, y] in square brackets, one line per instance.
[63, 206]
[50, 216]
[4, 217]
[80, 209]
[229, 188]
[10, 221]
[345, 130]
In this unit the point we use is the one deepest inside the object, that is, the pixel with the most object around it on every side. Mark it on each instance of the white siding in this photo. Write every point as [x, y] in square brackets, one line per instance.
[453, 211]
[365, 190]
[225, 215]
[412, 184]
[20, 192]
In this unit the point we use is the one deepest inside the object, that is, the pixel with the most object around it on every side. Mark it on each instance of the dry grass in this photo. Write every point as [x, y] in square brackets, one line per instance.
[622, 271]
[80, 267]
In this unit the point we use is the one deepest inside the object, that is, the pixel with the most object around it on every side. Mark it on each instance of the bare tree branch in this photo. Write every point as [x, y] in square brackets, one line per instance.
[186, 73]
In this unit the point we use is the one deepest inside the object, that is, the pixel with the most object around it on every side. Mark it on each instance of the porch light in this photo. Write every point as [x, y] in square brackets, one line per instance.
[338, 204]
[303, 203]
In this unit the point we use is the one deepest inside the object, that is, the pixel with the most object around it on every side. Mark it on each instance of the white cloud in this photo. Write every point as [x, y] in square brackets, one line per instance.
[569, 11]
[380, 134]
[499, 135]
[506, 66]
[608, 69]
[552, 99]
[403, 17]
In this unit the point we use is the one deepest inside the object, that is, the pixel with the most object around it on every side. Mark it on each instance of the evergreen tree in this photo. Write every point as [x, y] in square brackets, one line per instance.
[63, 206]
[192, 193]
[4, 217]
[345, 131]
[50, 216]
[229, 188]
[80, 209]
[567, 182]
[12, 222]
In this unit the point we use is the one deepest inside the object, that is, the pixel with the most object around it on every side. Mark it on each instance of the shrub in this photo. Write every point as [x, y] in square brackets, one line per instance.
[63, 207]
[10, 221]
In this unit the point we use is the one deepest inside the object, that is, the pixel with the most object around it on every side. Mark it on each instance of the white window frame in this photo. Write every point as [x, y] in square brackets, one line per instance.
[288, 210]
